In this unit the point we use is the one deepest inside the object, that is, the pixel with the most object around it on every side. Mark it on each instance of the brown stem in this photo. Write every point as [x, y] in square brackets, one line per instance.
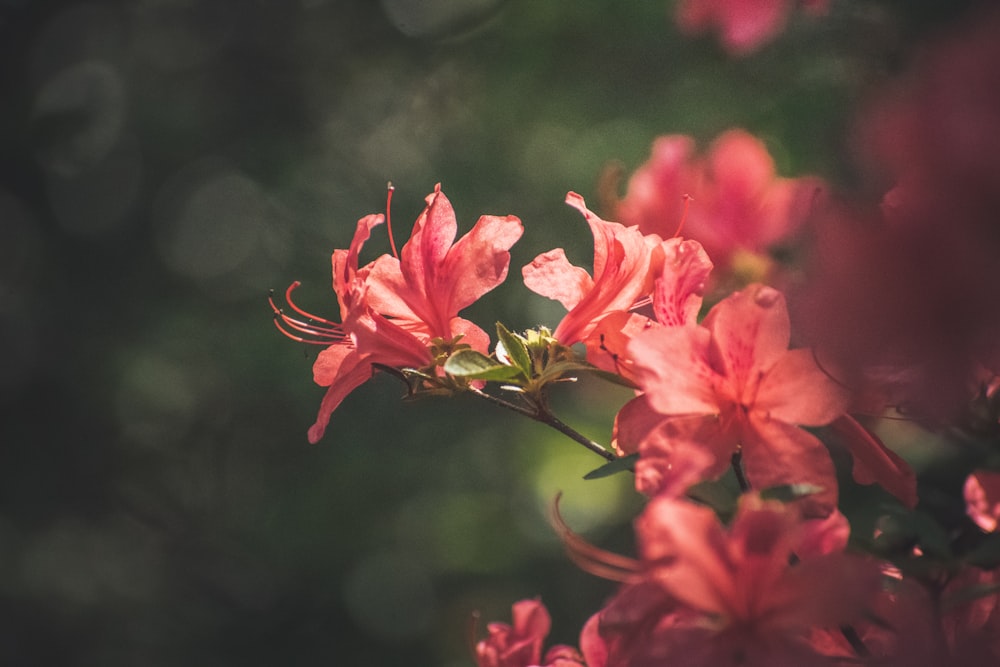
[540, 413]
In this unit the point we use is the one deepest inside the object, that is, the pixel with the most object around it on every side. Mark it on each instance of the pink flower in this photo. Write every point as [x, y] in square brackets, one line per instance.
[743, 25]
[733, 385]
[738, 205]
[623, 259]
[394, 310]
[680, 275]
[903, 299]
[520, 644]
[982, 499]
[729, 596]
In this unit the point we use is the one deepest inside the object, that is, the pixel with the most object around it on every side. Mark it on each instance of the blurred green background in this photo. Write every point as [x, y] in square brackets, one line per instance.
[165, 162]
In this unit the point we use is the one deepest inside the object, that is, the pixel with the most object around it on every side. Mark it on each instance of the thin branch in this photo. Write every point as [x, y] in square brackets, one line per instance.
[540, 414]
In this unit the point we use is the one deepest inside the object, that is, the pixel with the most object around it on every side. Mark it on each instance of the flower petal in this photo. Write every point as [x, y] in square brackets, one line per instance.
[672, 368]
[551, 275]
[775, 454]
[797, 391]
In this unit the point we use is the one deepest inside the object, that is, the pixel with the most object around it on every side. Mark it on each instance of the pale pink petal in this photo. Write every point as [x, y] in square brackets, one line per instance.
[472, 334]
[422, 257]
[671, 367]
[874, 463]
[477, 263]
[343, 370]
[797, 391]
[551, 275]
[388, 293]
[775, 454]
[345, 262]
[386, 343]
[622, 263]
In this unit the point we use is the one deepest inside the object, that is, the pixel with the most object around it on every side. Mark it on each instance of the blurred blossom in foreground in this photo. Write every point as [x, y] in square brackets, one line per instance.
[904, 298]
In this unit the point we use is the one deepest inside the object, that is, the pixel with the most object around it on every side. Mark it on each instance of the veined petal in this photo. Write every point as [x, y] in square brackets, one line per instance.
[551, 275]
[750, 332]
[422, 257]
[477, 263]
[671, 366]
[678, 289]
[797, 391]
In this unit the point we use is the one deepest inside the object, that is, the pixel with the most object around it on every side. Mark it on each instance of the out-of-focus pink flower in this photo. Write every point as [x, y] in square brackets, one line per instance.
[393, 309]
[743, 25]
[520, 643]
[733, 385]
[982, 499]
[623, 259]
[903, 299]
[729, 596]
[738, 205]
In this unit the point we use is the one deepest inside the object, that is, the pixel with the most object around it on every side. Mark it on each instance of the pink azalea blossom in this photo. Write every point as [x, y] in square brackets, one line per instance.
[901, 297]
[732, 385]
[731, 596]
[743, 25]
[623, 261]
[392, 310]
[731, 200]
[520, 643]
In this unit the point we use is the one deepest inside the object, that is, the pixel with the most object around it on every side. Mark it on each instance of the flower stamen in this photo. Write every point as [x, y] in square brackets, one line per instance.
[318, 331]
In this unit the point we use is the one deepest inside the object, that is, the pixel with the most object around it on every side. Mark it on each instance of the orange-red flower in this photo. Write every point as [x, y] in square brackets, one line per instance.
[392, 310]
[733, 385]
[623, 259]
[744, 596]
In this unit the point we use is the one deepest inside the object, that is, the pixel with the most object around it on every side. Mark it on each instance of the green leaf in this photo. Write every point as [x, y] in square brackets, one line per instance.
[786, 493]
[474, 365]
[621, 464]
[516, 348]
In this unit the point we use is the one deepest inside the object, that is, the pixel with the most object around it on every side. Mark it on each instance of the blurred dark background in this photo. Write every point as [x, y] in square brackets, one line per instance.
[163, 163]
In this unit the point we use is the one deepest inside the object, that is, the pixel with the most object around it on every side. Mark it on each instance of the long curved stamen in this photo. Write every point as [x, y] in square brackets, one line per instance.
[594, 560]
[388, 217]
[687, 202]
[316, 330]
